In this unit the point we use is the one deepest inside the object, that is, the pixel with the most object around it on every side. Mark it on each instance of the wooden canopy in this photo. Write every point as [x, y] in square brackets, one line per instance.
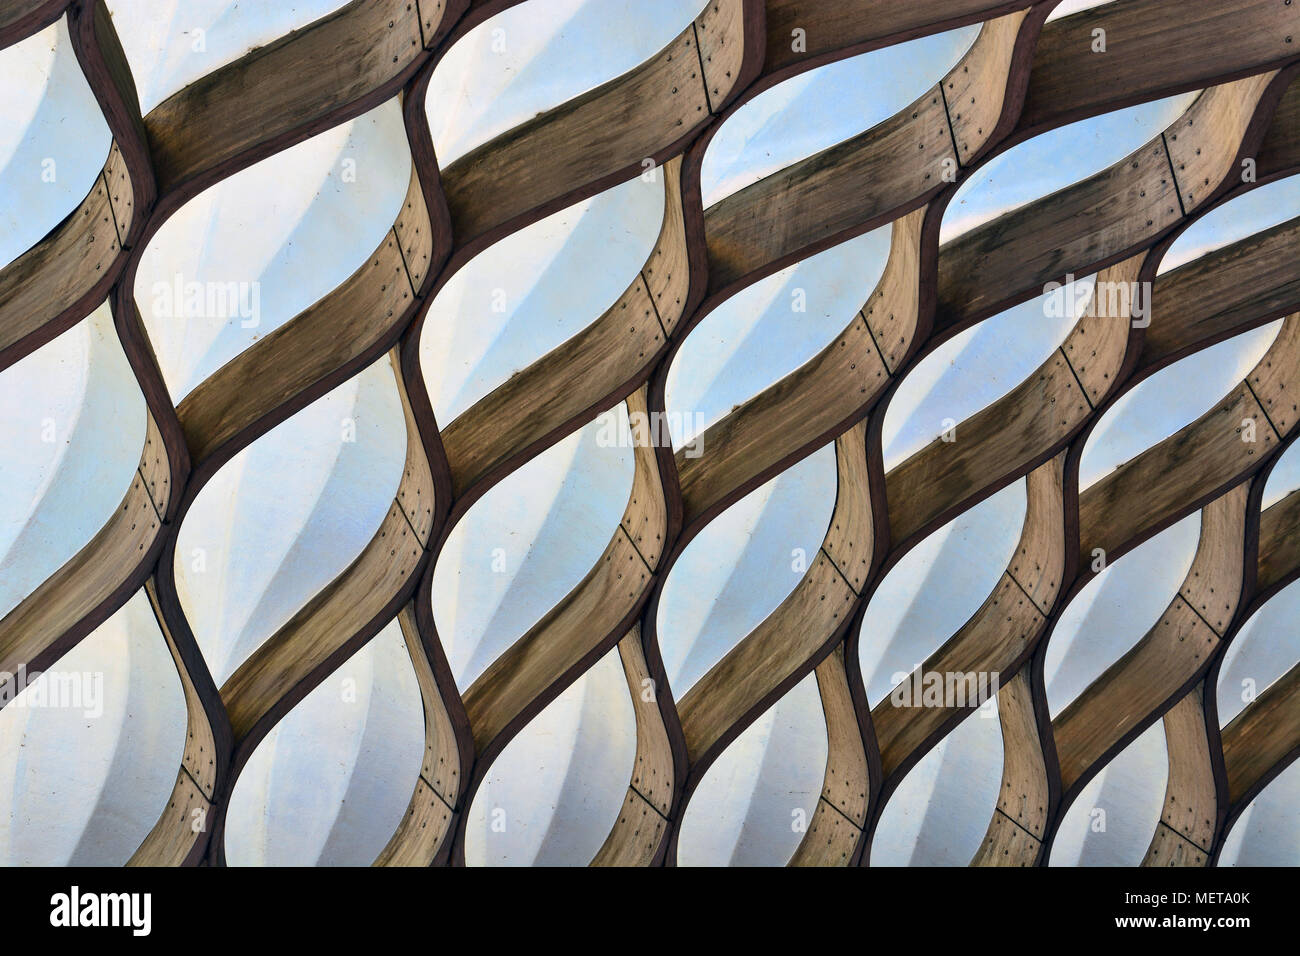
[1022, 77]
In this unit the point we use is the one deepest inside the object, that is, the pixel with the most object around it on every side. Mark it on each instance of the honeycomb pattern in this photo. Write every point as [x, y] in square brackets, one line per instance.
[1022, 77]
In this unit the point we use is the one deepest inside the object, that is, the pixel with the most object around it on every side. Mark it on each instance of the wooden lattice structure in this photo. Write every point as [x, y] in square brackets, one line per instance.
[1022, 77]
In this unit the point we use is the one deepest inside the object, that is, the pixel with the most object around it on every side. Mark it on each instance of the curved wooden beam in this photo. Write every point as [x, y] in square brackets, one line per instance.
[873, 177]
[1018, 827]
[421, 837]
[22, 18]
[1191, 814]
[60, 280]
[334, 624]
[834, 835]
[611, 357]
[180, 837]
[782, 649]
[271, 101]
[86, 590]
[636, 838]
[596, 613]
[531, 170]
[1148, 54]
[1259, 743]
[279, 94]
[321, 346]
[1109, 216]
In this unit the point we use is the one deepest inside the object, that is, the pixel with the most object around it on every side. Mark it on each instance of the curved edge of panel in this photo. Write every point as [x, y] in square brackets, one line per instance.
[1191, 814]
[1111, 215]
[58, 281]
[23, 18]
[606, 361]
[636, 838]
[317, 349]
[91, 585]
[421, 837]
[180, 837]
[826, 395]
[1069, 81]
[783, 648]
[599, 611]
[997, 639]
[873, 177]
[280, 94]
[332, 626]
[525, 173]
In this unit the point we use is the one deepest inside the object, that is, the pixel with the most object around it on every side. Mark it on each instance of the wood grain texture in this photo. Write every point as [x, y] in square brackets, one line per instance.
[322, 630]
[1263, 739]
[1141, 495]
[1153, 48]
[1275, 382]
[287, 659]
[830, 840]
[893, 310]
[20, 19]
[818, 607]
[441, 768]
[423, 836]
[646, 518]
[35, 633]
[818, 400]
[845, 785]
[1144, 682]
[1213, 585]
[422, 831]
[994, 641]
[78, 257]
[1132, 688]
[1224, 292]
[1074, 229]
[830, 196]
[1024, 797]
[1098, 344]
[830, 26]
[1169, 848]
[617, 348]
[279, 90]
[566, 635]
[536, 164]
[635, 837]
[975, 90]
[1203, 158]
[1279, 544]
[199, 760]
[1038, 564]
[352, 321]
[541, 662]
[652, 776]
[180, 835]
[1191, 796]
[1006, 844]
[996, 443]
[1280, 146]
[851, 537]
